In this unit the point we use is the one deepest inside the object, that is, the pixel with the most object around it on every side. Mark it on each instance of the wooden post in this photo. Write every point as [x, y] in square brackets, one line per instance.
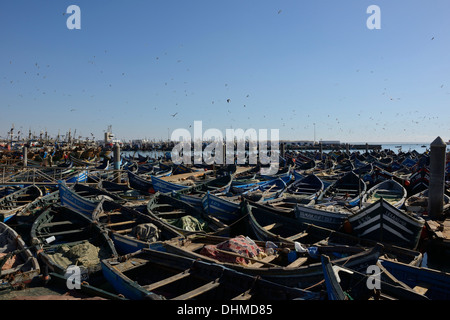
[117, 161]
[436, 186]
[25, 156]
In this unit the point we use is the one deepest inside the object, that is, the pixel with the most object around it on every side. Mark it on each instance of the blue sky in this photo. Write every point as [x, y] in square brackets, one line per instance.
[288, 65]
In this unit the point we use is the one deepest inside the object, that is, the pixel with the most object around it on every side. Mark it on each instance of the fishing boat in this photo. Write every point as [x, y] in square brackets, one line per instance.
[390, 190]
[26, 216]
[181, 215]
[418, 203]
[267, 224]
[18, 265]
[345, 283]
[157, 275]
[13, 202]
[348, 189]
[267, 191]
[194, 194]
[433, 284]
[329, 215]
[140, 183]
[123, 191]
[290, 265]
[419, 181]
[224, 207]
[130, 229]
[65, 238]
[383, 222]
[75, 201]
[307, 188]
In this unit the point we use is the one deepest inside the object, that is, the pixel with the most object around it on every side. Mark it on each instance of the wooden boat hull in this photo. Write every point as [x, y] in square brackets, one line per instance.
[59, 230]
[270, 225]
[25, 266]
[75, 202]
[120, 220]
[12, 203]
[140, 183]
[167, 276]
[323, 218]
[287, 267]
[434, 284]
[221, 208]
[385, 223]
[390, 190]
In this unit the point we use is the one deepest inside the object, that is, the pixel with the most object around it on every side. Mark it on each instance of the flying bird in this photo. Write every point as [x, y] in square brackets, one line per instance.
[173, 115]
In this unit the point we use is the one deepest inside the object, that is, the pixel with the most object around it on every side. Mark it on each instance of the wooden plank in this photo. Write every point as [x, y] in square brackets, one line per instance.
[297, 236]
[57, 223]
[109, 213]
[297, 262]
[120, 223]
[63, 232]
[193, 293]
[244, 296]
[272, 226]
[178, 276]
[123, 231]
[421, 288]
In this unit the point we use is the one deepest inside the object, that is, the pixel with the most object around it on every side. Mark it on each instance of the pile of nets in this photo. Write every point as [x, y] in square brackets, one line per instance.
[243, 247]
[189, 223]
[84, 254]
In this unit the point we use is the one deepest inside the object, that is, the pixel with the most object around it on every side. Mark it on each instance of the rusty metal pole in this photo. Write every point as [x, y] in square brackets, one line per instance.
[436, 186]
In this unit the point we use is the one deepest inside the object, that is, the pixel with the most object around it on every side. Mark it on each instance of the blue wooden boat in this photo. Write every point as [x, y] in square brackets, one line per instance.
[270, 224]
[433, 284]
[267, 191]
[194, 195]
[383, 222]
[31, 211]
[308, 187]
[18, 265]
[130, 229]
[12, 203]
[278, 262]
[63, 237]
[330, 215]
[157, 275]
[163, 186]
[223, 207]
[140, 183]
[345, 283]
[182, 216]
[390, 190]
[122, 190]
[78, 177]
[418, 203]
[72, 200]
[348, 189]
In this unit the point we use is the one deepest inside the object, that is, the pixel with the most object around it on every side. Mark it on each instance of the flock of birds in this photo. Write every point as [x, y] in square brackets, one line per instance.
[39, 72]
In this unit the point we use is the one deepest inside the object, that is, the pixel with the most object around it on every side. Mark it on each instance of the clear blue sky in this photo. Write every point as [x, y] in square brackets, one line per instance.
[286, 64]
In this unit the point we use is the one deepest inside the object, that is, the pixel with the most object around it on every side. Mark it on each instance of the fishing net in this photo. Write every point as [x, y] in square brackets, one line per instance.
[84, 254]
[189, 223]
[242, 247]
